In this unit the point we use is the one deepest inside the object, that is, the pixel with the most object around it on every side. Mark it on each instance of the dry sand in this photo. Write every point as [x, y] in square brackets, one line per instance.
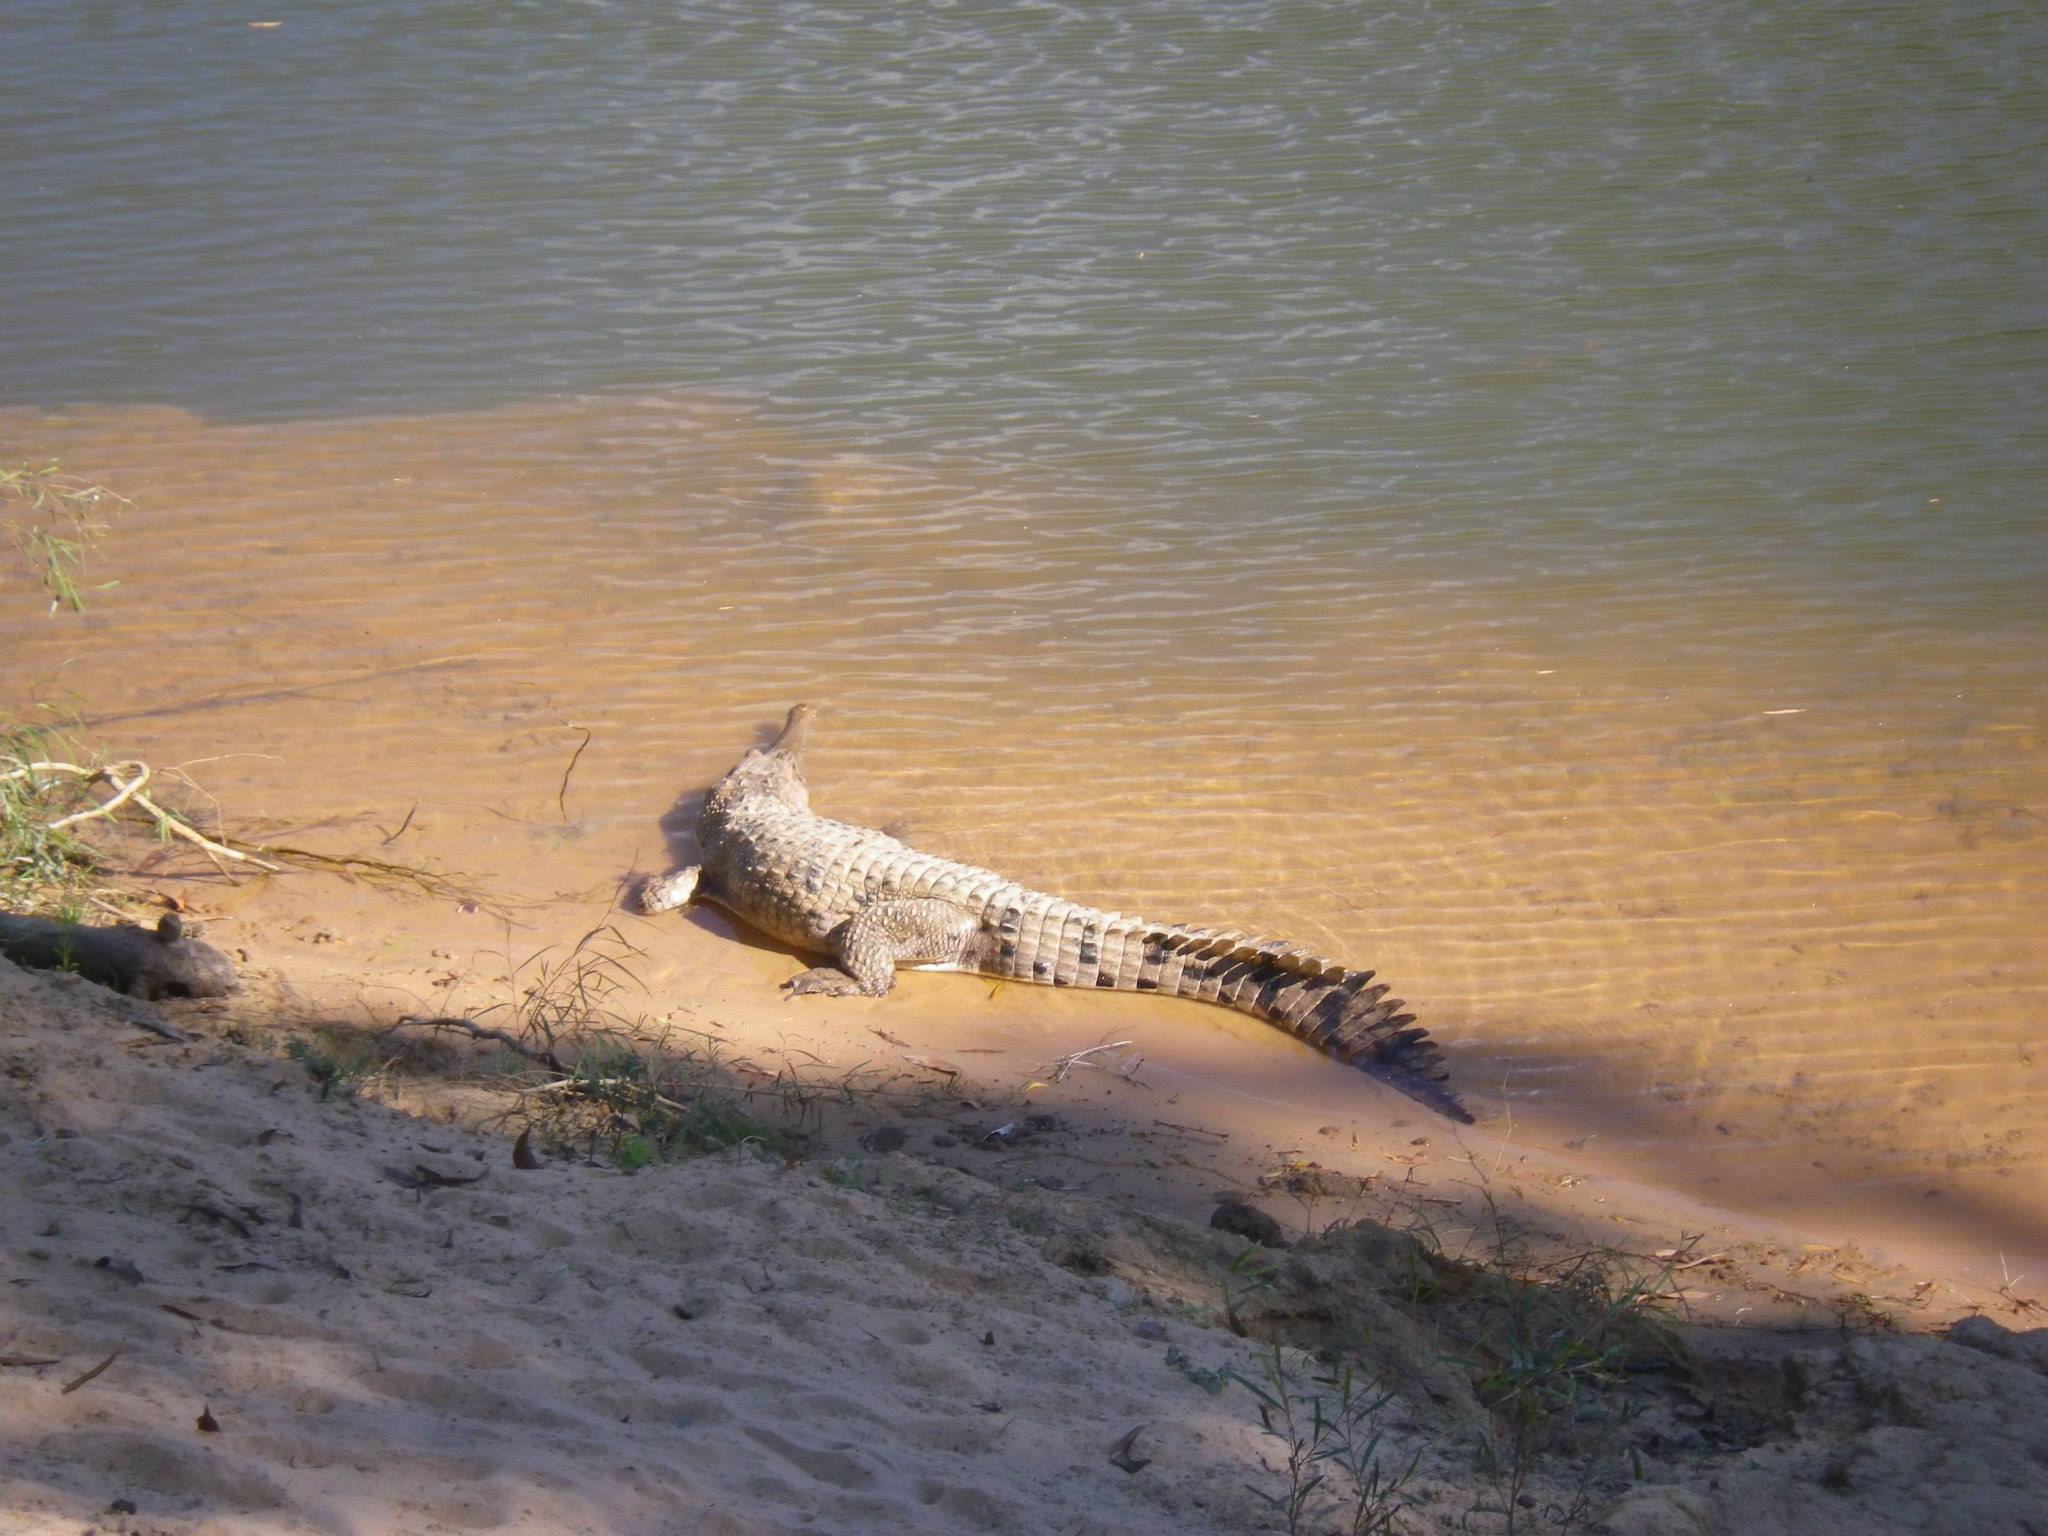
[231, 1306]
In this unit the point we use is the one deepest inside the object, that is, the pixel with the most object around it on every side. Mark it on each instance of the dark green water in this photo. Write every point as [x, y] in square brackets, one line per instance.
[1508, 289]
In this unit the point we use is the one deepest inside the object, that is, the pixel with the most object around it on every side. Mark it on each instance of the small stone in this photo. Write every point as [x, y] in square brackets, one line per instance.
[1150, 1328]
[1248, 1222]
[883, 1138]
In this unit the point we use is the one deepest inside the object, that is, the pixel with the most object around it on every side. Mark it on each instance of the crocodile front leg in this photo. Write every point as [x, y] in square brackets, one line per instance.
[884, 935]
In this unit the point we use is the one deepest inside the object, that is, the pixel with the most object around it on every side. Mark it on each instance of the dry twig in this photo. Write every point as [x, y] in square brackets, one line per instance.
[77, 1382]
[1126, 1069]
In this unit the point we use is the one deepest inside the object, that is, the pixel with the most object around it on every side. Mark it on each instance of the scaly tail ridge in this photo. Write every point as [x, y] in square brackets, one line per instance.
[1341, 1012]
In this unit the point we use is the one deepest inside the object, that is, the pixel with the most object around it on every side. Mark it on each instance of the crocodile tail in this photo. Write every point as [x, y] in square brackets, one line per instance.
[1341, 1012]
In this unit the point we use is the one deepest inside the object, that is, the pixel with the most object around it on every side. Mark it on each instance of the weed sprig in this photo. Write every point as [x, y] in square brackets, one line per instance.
[1325, 1424]
[54, 523]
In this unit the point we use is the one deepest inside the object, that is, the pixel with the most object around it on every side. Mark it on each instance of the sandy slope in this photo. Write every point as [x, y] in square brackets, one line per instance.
[735, 1346]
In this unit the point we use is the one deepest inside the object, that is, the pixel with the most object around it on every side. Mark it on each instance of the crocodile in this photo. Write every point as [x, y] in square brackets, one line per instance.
[149, 963]
[872, 904]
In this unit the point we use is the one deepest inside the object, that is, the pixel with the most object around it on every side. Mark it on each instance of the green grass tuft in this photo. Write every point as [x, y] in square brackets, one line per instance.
[340, 1064]
[53, 520]
[41, 867]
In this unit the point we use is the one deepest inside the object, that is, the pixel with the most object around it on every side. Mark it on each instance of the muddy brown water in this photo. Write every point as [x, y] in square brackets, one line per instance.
[1756, 925]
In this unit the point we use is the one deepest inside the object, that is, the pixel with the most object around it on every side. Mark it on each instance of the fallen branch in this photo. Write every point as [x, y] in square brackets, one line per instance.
[478, 1031]
[127, 790]
[129, 777]
[354, 865]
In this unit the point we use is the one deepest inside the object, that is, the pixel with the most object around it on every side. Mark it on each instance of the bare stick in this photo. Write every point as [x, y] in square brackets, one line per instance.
[562, 794]
[23, 770]
[108, 807]
[392, 837]
[73, 1386]
[156, 1027]
[222, 850]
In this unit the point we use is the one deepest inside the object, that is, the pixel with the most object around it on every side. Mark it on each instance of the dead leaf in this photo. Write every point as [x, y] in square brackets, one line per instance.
[1120, 1453]
[523, 1153]
[420, 1176]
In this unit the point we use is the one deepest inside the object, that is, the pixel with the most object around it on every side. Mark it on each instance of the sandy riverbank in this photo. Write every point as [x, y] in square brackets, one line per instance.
[855, 1341]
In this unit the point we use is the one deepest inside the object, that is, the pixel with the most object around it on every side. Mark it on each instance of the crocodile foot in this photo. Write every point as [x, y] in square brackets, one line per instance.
[665, 893]
[824, 981]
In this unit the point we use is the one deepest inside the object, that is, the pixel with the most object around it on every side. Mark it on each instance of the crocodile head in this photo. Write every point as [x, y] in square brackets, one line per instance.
[774, 773]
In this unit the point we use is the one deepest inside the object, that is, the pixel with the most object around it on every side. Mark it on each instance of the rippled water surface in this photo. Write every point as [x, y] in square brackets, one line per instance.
[1545, 502]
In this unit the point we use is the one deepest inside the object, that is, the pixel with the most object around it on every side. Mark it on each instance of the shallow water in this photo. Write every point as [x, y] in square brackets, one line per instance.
[1765, 931]
[1547, 507]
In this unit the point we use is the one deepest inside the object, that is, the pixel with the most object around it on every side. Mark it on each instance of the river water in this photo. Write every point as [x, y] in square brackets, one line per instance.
[1547, 502]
